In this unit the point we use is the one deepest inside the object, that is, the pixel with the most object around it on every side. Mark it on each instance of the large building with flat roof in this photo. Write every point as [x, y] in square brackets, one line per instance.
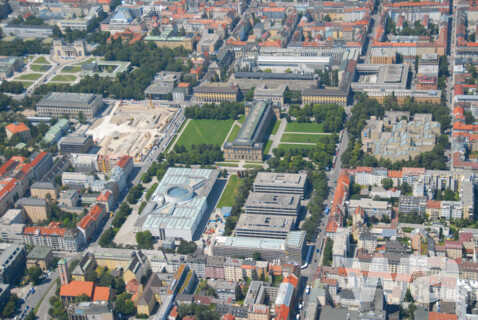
[273, 204]
[12, 259]
[390, 76]
[293, 81]
[264, 226]
[76, 144]
[248, 143]
[288, 183]
[289, 250]
[177, 207]
[57, 104]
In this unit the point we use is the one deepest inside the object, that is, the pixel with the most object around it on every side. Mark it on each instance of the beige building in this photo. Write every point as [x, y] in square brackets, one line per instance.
[405, 141]
[59, 104]
[233, 270]
[258, 312]
[42, 189]
[66, 50]
[35, 209]
[40, 256]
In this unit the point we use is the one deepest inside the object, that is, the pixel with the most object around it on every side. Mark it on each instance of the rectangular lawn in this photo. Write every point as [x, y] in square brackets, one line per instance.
[229, 194]
[234, 133]
[64, 78]
[41, 60]
[29, 76]
[40, 67]
[304, 127]
[301, 138]
[205, 131]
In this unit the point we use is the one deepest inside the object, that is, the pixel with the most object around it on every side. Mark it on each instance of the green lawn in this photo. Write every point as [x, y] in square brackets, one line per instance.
[302, 138]
[251, 165]
[70, 69]
[226, 164]
[234, 133]
[26, 84]
[29, 76]
[90, 60]
[227, 198]
[40, 67]
[205, 131]
[268, 147]
[296, 146]
[41, 60]
[276, 127]
[242, 119]
[304, 127]
[64, 78]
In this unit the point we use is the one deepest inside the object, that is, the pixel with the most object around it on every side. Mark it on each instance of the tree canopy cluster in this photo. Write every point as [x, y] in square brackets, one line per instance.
[144, 240]
[318, 180]
[12, 87]
[157, 169]
[19, 48]
[331, 116]
[327, 259]
[146, 59]
[187, 247]
[135, 193]
[223, 111]
[201, 312]
[203, 154]
[292, 160]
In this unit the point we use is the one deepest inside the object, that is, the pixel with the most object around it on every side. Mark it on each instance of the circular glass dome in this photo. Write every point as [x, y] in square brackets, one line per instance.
[178, 193]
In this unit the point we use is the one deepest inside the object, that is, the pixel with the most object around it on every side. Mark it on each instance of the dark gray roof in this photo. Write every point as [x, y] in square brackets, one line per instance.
[275, 76]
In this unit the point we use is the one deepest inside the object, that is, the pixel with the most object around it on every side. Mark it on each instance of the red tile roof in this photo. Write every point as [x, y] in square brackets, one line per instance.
[123, 161]
[104, 195]
[38, 158]
[77, 288]
[44, 231]
[431, 204]
[441, 316]
[17, 127]
[102, 294]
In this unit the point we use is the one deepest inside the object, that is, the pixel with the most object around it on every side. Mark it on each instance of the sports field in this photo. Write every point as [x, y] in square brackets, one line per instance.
[205, 131]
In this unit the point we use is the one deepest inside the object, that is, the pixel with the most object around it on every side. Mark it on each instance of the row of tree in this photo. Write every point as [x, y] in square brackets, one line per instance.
[223, 111]
[330, 116]
[203, 154]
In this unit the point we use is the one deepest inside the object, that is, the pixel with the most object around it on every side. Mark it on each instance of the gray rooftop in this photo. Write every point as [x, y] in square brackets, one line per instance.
[60, 99]
[31, 202]
[281, 179]
[263, 222]
[39, 253]
[273, 200]
[274, 76]
[43, 185]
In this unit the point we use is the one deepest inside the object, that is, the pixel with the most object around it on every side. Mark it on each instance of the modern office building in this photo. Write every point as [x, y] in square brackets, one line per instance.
[248, 143]
[76, 144]
[264, 226]
[273, 204]
[294, 63]
[371, 76]
[283, 183]
[11, 226]
[12, 259]
[58, 104]
[179, 203]
[290, 250]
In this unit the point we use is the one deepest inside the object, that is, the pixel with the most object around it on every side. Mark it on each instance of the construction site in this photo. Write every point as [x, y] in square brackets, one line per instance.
[131, 128]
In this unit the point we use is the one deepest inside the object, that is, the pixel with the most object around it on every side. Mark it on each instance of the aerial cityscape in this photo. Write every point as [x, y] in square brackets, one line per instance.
[249, 160]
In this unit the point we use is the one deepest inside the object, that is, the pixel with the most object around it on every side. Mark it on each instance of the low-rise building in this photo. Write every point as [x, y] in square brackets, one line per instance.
[276, 95]
[76, 144]
[40, 256]
[11, 226]
[216, 92]
[77, 49]
[98, 310]
[28, 31]
[58, 104]
[20, 129]
[169, 39]
[57, 238]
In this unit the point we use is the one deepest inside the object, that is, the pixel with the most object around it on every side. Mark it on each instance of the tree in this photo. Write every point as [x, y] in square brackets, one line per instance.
[11, 306]
[81, 117]
[30, 316]
[186, 247]
[34, 274]
[144, 240]
[82, 298]
[124, 304]
[257, 256]
[155, 32]
[327, 18]
[238, 293]
[469, 119]
[387, 183]
[107, 237]
[249, 94]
